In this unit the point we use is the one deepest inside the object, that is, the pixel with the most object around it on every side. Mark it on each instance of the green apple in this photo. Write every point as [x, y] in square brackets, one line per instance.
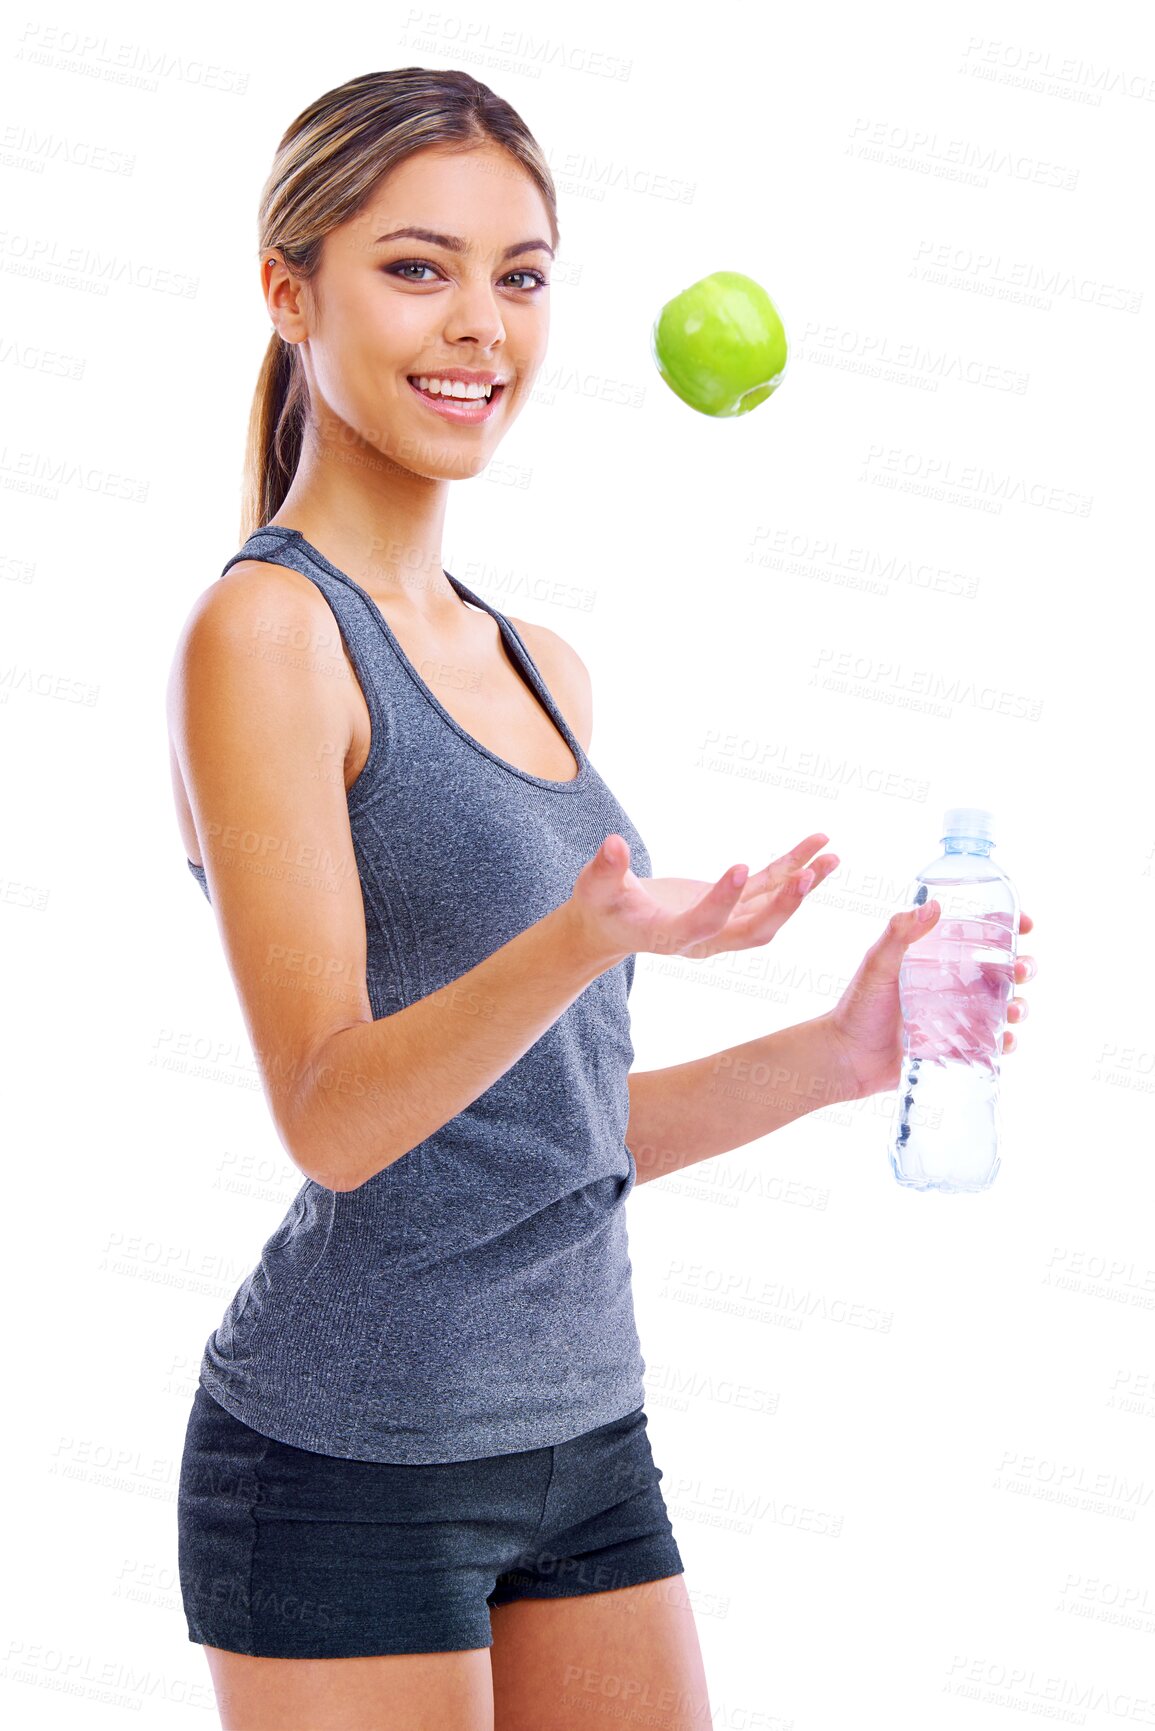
[720, 345]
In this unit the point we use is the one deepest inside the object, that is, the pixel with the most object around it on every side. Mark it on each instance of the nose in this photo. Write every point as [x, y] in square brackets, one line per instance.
[474, 316]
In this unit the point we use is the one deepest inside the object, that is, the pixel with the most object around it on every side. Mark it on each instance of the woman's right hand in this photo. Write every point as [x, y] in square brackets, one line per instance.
[620, 913]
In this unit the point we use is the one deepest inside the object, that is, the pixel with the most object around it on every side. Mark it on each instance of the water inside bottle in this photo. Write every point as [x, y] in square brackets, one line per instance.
[955, 985]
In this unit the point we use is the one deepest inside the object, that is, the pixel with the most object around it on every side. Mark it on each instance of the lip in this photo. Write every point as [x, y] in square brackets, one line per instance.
[462, 375]
[461, 409]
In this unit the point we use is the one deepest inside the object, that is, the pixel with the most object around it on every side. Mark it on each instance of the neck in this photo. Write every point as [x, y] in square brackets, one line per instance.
[380, 524]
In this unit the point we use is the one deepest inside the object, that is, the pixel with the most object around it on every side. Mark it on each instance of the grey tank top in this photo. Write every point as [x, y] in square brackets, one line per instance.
[474, 1297]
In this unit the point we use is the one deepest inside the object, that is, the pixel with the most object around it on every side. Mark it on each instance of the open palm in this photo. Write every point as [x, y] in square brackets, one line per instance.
[768, 898]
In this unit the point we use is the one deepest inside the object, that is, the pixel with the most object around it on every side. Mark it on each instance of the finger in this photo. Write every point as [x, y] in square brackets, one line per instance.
[903, 929]
[1009, 1041]
[759, 924]
[1025, 969]
[706, 916]
[749, 928]
[771, 878]
[799, 853]
[613, 857]
[1017, 1010]
[913, 923]
[1001, 917]
[753, 925]
[816, 872]
[793, 860]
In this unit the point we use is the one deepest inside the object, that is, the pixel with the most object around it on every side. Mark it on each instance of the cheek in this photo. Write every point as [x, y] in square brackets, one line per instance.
[401, 334]
[527, 338]
[364, 368]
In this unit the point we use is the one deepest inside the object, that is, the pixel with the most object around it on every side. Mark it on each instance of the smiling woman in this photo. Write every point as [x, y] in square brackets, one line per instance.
[418, 1432]
[334, 228]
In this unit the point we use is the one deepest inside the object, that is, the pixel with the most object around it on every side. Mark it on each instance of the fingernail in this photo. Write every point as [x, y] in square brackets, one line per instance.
[925, 912]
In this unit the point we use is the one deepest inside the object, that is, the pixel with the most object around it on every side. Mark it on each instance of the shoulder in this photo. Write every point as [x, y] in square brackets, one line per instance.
[269, 618]
[258, 608]
[252, 585]
[565, 673]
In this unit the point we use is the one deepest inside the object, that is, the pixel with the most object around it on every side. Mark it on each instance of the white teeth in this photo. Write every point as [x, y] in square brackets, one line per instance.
[453, 388]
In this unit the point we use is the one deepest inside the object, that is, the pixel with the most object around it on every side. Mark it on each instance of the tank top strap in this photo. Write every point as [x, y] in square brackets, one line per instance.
[366, 633]
[529, 666]
[357, 617]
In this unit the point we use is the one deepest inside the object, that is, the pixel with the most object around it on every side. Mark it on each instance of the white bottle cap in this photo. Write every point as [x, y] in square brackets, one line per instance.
[968, 820]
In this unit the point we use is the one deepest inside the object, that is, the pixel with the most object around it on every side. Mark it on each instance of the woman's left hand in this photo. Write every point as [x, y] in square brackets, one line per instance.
[867, 1023]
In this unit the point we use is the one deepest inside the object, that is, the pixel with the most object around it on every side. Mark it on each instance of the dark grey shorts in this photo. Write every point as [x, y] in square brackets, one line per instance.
[294, 1555]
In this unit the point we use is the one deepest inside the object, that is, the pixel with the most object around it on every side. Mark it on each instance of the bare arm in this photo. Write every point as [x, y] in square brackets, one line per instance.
[690, 1112]
[253, 732]
[376, 1089]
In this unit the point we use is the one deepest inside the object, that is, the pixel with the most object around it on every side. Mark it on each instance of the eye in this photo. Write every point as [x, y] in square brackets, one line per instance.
[409, 264]
[539, 281]
[535, 278]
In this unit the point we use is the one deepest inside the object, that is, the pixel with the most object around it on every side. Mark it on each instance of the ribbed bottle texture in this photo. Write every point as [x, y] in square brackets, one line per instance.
[954, 986]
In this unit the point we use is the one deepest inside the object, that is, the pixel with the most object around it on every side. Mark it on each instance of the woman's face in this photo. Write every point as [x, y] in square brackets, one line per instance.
[390, 311]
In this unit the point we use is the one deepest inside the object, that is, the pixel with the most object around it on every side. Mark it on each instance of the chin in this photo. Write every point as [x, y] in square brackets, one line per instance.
[448, 465]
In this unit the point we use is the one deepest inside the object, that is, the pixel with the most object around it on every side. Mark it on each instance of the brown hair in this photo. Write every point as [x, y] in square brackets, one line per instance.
[327, 167]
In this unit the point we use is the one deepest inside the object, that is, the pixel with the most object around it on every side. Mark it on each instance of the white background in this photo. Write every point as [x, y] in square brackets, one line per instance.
[917, 576]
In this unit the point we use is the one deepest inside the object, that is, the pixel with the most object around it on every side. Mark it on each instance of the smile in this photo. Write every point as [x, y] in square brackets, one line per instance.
[456, 401]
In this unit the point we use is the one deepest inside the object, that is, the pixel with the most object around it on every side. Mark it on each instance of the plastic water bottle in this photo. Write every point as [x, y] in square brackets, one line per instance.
[954, 987]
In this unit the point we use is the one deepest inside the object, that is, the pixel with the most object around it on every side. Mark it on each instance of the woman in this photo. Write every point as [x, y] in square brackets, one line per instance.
[417, 1488]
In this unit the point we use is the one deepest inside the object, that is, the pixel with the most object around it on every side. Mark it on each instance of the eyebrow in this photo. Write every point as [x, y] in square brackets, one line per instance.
[453, 244]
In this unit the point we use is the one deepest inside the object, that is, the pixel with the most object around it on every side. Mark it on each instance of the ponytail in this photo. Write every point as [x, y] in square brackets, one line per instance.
[276, 433]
